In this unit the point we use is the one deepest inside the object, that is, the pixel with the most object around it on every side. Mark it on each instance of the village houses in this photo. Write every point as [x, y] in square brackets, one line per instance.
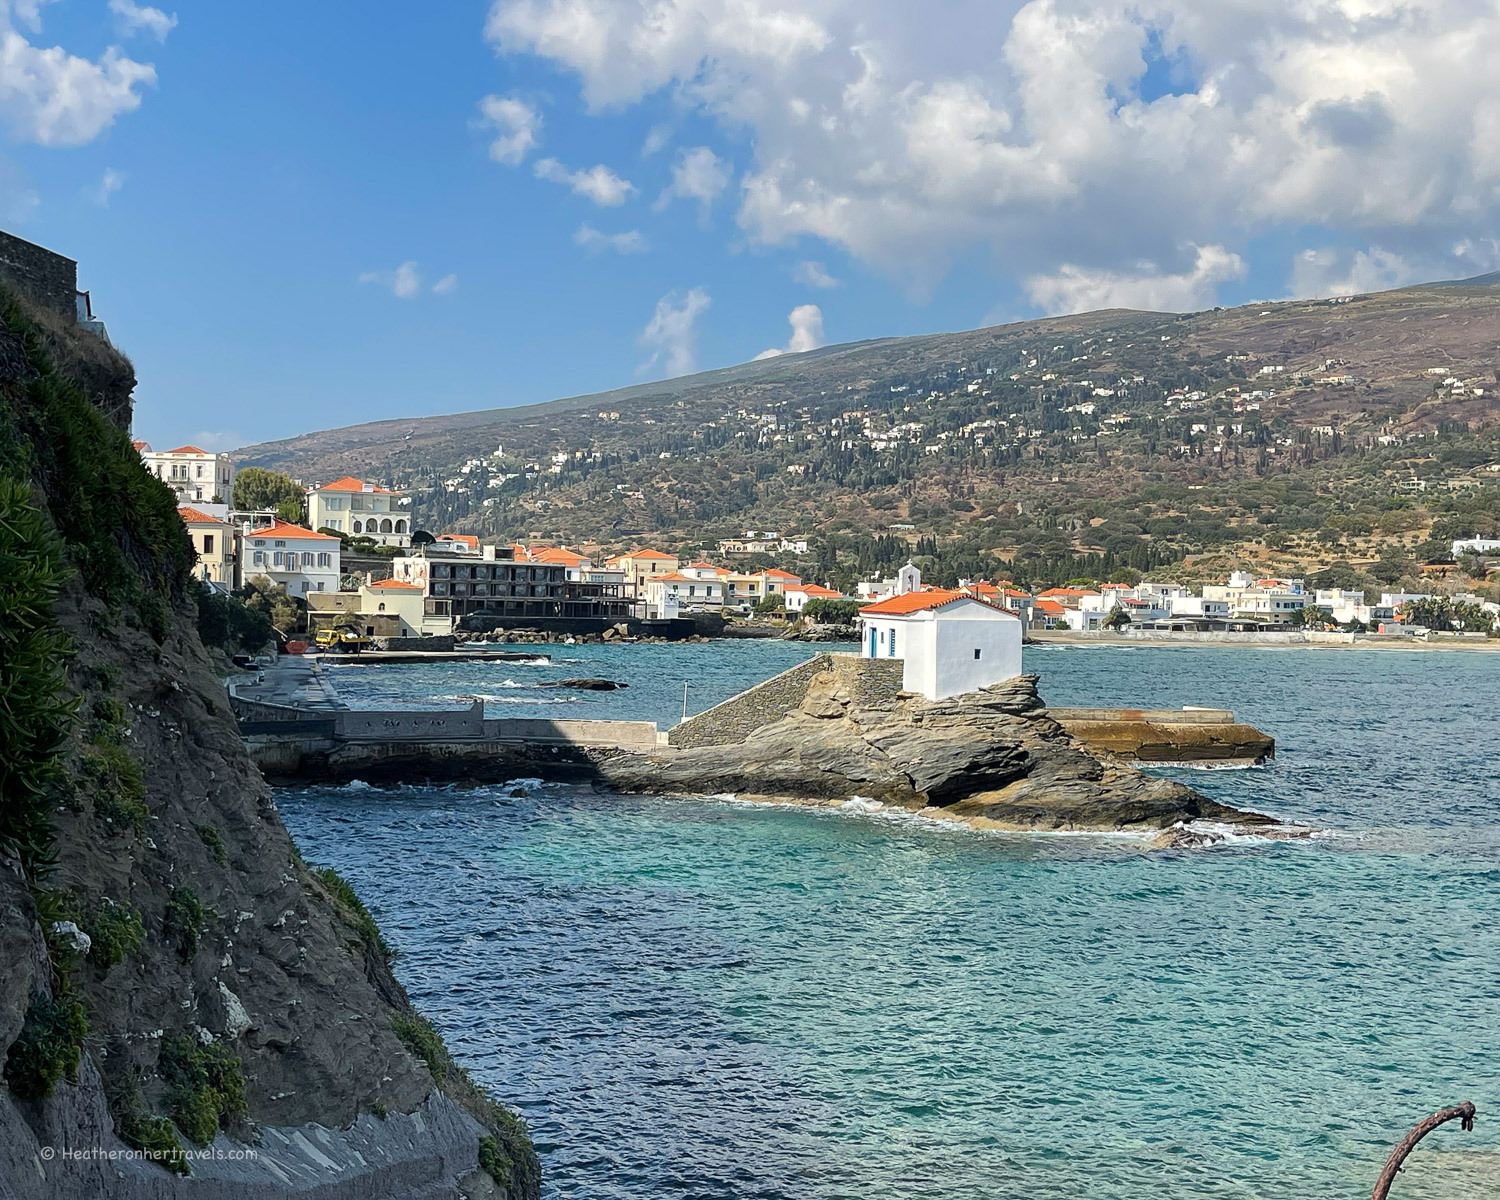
[360, 509]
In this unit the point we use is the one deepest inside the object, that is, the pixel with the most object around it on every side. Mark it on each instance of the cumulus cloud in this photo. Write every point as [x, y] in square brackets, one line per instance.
[446, 284]
[215, 442]
[814, 274]
[405, 282]
[806, 321]
[599, 184]
[1091, 134]
[698, 174]
[54, 98]
[673, 333]
[517, 127]
[596, 241]
[137, 18]
[1074, 289]
[111, 183]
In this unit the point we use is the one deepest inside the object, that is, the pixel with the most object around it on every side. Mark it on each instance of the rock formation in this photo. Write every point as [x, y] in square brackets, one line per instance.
[218, 990]
[993, 757]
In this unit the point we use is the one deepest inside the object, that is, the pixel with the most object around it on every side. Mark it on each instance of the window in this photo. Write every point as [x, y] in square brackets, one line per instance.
[260, 558]
[199, 475]
[891, 653]
[357, 528]
[380, 607]
[323, 560]
[307, 559]
[208, 543]
[976, 653]
[278, 543]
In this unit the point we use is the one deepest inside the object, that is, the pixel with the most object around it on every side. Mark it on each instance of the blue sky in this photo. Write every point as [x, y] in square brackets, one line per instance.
[242, 211]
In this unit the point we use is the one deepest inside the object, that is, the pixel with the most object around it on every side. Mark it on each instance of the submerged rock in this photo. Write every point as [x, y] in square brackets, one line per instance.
[584, 685]
[992, 757]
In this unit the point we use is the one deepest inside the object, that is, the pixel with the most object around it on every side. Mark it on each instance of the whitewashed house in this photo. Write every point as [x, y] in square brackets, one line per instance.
[299, 558]
[197, 476]
[950, 642]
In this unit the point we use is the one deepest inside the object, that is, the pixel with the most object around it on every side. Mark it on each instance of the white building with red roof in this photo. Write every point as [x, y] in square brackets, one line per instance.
[196, 475]
[797, 595]
[358, 508]
[302, 559]
[950, 641]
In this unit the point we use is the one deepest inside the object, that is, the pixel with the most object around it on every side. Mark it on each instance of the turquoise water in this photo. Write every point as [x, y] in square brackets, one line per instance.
[703, 999]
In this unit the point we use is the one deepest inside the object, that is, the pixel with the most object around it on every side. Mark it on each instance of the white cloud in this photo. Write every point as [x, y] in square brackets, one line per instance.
[405, 282]
[54, 98]
[1073, 289]
[656, 141]
[698, 174]
[111, 183]
[1036, 133]
[517, 127]
[599, 184]
[28, 12]
[814, 274]
[214, 443]
[595, 241]
[673, 333]
[448, 283]
[136, 18]
[806, 321]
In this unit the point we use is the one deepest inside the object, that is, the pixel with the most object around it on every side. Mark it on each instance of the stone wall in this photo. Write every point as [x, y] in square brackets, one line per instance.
[738, 717]
[398, 725]
[46, 278]
[631, 735]
[870, 682]
[439, 642]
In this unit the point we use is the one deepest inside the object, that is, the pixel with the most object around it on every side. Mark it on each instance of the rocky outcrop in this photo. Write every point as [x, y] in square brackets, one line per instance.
[993, 757]
[229, 994]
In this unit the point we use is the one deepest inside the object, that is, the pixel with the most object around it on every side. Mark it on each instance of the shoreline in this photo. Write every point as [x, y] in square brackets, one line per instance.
[1060, 639]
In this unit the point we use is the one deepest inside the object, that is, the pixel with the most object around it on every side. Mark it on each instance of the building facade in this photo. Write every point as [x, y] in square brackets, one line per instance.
[194, 474]
[360, 509]
[950, 642]
[213, 539]
[301, 559]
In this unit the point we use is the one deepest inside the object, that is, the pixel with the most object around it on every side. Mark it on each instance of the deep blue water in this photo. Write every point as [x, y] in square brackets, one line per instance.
[695, 999]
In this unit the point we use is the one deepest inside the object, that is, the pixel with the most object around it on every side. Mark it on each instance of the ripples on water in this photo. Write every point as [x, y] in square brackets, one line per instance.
[698, 999]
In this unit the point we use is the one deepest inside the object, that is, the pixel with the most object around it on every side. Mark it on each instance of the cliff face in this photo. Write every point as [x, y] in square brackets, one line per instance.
[171, 972]
[994, 757]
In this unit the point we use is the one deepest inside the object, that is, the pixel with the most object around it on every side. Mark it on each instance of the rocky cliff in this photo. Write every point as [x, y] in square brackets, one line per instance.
[994, 758]
[173, 977]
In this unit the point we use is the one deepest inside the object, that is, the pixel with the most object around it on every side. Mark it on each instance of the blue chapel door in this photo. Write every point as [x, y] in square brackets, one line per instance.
[872, 643]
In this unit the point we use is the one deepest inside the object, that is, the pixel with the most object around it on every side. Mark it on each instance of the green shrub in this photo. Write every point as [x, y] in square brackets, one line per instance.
[205, 1086]
[154, 1137]
[213, 838]
[111, 721]
[184, 922]
[369, 931]
[830, 612]
[47, 1049]
[117, 785]
[227, 623]
[418, 1036]
[35, 711]
[115, 932]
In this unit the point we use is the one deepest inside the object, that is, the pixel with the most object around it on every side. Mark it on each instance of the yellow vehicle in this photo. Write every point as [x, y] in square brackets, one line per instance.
[341, 641]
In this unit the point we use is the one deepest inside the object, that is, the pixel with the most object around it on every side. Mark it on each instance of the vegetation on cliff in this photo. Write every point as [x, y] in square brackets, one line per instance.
[170, 939]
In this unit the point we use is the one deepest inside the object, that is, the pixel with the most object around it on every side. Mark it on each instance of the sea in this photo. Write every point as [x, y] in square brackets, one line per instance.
[696, 999]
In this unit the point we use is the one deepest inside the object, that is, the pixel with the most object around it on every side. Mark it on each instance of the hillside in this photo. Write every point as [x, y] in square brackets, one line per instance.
[1309, 430]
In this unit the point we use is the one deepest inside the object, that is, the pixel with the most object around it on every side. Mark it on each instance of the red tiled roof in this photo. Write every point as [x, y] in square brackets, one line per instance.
[559, 555]
[187, 450]
[649, 554]
[193, 516]
[911, 602]
[347, 484]
[141, 446]
[818, 592]
[703, 566]
[282, 529]
[1049, 608]
[674, 577]
[778, 573]
[394, 583]
[470, 540]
